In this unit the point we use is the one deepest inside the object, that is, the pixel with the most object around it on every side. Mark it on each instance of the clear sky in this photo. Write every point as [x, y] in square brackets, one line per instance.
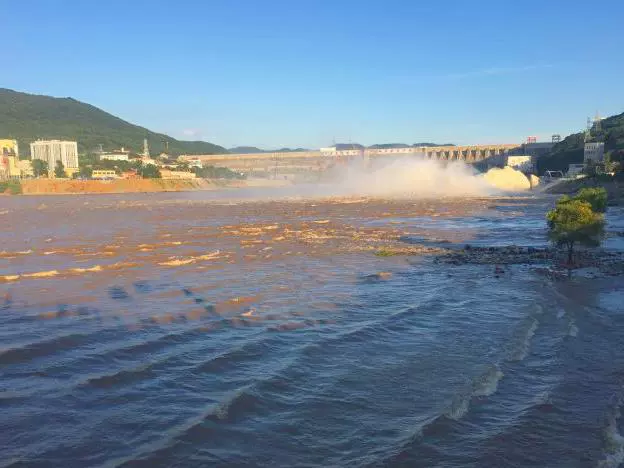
[275, 73]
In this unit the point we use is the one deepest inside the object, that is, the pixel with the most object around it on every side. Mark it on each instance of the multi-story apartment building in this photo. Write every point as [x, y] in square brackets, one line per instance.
[52, 151]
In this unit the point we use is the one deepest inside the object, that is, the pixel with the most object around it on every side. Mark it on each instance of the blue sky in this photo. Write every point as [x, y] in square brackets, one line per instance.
[275, 73]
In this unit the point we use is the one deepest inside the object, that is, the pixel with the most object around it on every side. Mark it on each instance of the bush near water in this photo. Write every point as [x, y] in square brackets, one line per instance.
[12, 187]
[578, 220]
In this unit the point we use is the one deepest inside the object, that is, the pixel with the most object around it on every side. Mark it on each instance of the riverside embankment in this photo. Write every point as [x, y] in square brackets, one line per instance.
[613, 186]
[67, 186]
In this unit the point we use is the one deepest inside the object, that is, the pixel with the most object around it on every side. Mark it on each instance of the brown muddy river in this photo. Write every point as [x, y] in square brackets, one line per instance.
[215, 329]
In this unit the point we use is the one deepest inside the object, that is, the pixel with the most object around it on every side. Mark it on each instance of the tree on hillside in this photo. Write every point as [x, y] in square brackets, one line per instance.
[573, 221]
[149, 171]
[212, 172]
[85, 172]
[59, 170]
[613, 161]
[40, 168]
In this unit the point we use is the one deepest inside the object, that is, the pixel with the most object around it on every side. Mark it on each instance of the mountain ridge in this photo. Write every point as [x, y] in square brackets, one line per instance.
[27, 117]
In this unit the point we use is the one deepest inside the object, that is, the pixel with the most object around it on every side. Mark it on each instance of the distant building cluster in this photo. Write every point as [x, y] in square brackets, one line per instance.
[66, 152]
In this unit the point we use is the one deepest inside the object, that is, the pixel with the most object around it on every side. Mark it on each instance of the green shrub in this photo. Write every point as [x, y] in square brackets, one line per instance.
[596, 197]
[14, 187]
[574, 221]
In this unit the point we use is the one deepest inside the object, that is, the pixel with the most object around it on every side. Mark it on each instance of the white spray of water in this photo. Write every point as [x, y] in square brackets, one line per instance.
[402, 178]
[507, 179]
[425, 178]
[415, 179]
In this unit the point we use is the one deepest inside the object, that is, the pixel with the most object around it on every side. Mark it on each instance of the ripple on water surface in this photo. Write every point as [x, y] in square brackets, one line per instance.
[183, 345]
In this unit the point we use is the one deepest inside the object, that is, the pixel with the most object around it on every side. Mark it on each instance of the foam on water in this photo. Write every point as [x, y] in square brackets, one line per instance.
[459, 407]
[519, 346]
[483, 385]
[241, 400]
[614, 441]
[487, 383]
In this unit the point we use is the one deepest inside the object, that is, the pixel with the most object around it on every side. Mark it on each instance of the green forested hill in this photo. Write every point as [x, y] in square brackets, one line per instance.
[570, 149]
[27, 117]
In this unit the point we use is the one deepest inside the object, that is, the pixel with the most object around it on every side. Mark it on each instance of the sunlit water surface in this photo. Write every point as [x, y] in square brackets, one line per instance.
[192, 330]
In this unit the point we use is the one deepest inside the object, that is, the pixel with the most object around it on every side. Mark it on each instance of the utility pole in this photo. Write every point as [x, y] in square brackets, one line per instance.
[275, 157]
[146, 152]
[588, 130]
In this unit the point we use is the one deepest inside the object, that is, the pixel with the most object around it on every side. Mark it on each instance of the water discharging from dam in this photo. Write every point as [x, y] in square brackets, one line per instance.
[420, 179]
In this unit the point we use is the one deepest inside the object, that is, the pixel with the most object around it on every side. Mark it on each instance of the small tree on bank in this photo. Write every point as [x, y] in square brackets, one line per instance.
[59, 170]
[40, 168]
[149, 171]
[573, 221]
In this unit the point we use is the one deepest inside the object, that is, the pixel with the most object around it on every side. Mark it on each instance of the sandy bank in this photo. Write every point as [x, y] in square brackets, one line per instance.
[53, 186]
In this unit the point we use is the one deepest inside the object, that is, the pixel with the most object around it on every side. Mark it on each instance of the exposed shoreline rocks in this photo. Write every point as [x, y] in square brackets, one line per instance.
[507, 255]
[551, 261]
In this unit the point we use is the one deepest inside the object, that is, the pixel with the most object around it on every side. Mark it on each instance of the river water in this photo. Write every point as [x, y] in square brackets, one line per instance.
[203, 330]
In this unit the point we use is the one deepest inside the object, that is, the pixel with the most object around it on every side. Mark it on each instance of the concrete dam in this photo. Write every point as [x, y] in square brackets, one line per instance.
[292, 164]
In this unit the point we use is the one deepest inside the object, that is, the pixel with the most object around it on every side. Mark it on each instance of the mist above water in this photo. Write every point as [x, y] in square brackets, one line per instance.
[392, 178]
[422, 179]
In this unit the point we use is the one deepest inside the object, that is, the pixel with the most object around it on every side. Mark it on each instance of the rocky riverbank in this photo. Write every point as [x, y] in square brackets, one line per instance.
[550, 262]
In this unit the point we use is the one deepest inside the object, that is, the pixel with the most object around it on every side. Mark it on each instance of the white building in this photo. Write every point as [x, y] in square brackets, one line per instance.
[55, 150]
[594, 152]
[195, 163]
[119, 155]
[114, 156]
[329, 151]
[522, 163]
